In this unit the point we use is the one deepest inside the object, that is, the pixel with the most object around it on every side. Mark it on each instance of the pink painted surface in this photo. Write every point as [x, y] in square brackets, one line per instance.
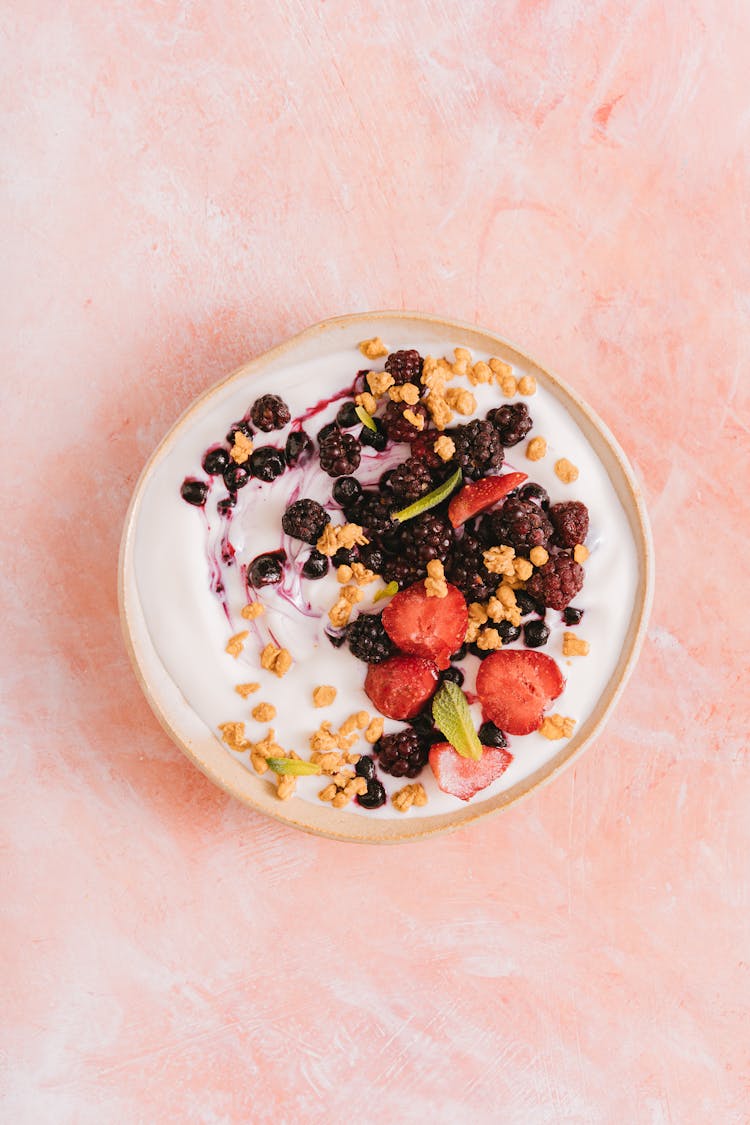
[185, 185]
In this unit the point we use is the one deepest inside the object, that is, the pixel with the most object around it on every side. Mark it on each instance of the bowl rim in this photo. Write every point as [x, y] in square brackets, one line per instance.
[406, 829]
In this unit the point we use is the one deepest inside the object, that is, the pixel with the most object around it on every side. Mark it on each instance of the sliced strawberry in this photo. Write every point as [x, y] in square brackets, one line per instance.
[463, 777]
[480, 494]
[400, 686]
[423, 626]
[516, 686]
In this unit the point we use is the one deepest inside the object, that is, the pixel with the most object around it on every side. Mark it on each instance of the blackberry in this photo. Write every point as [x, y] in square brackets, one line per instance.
[402, 754]
[508, 633]
[557, 582]
[374, 797]
[454, 675]
[404, 366]
[490, 735]
[535, 494]
[345, 557]
[298, 445]
[315, 565]
[236, 476]
[373, 512]
[479, 450]
[266, 570]
[423, 447]
[535, 633]
[347, 416]
[427, 537]
[269, 412]
[365, 767]
[570, 521]
[368, 639]
[377, 439]
[526, 603]
[571, 615]
[467, 571]
[243, 427]
[305, 520]
[340, 453]
[194, 491]
[519, 524]
[399, 428]
[215, 461]
[267, 463]
[346, 490]
[402, 571]
[512, 422]
[372, 557]
[410, 480]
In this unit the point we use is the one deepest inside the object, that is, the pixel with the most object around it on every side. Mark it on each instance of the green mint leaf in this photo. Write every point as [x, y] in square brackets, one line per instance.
[294, 767]
[451, 715]
[387, 592]
[365, 418]
[442, 492]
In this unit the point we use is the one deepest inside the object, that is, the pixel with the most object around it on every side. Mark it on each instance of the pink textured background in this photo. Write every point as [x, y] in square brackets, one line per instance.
[184, 185]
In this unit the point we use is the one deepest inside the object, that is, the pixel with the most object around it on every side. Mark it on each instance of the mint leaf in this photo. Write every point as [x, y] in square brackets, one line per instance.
[451, 715]
[387, 592]
[442, 492]
[292, 766]
[365, 418]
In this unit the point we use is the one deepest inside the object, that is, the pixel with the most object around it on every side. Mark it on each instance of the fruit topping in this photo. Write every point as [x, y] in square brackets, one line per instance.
[315, 565]
[526, 603]
[194, 492]
[236, 476]
[400, 428]
[299, 446]
[519, 524]
[365, 767]
[305, 519]
[481, 494]
[374, 796]
[215, 461]
[347, 416]
[452, 675]
[346, 490]
[516, 686]
[557, 582]
[570, 521]
[512, 422]
[368, 639]
[491, 735]
[267, 463]
[424, 626]
[401, 754]
[466, 570]
[404, 366]
[410, 480]
[463, 777]
[340, 453]
[535, 633]
[242, 427]
[572, 616]
[401, 686]
[479, 450]
[266, 570]
[451, 715]
[430, 500]
[373, 434]
[269, 412]
[427, 537]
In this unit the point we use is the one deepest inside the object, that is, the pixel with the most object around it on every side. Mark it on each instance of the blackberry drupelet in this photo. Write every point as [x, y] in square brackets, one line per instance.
[404, 366]
[491, 735]
[479, 450]
[402, 754]
[236, 476]
[374, 797]
[572, 616]
[519, 524]
[512, 422]
[347, 416]
[466, 570]
[557, 582]
[427, 537]
[410, 480]
[535, 494]
[269, 412]
[399, 428]
[305, 520]
[535, 633]
[215, 461]
[194, 492]
[267, 463]
[298, 445]
[570, 521]
[346, 490]
[315, 566]
[340, 453]
[368, 639]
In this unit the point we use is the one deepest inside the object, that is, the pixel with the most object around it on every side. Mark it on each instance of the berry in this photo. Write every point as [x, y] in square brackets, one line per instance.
[410, 480]
[508, 632]
[315, 565]
[516, 686]
[326, 431]
[373, 512]
[242, 427]
[475, 497]
[519, 524]
[270, 412]
[403, 571]
[345, 557]
[479, 450]
[340, 453]
[459, 654]
[404, 366]
[384, 481]
[372, 557]
[401, 686]
[337, 637]
[267, 463]
[399, 428]
[463, 777]
[377, 438]
[368, 639]
[346, 490]
[236, 476]
[535, 633]
[374, 797]
[535, 494]
[490, 735]
[365, 767]
[305, 520]
[466, 570]
[427, 537]
[194, 491]
[571, 615]
[266, 570]
[225, 506]
[402, 754]
[298, 445]
[215, 461]
[570, 521]
[526, 603]
[454, 675]
[425, 626]
[557, 582]
[426, 730]
[512, 422]
[347, 416]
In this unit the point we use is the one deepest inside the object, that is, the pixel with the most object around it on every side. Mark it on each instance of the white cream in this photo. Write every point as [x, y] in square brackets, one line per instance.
[190, 627]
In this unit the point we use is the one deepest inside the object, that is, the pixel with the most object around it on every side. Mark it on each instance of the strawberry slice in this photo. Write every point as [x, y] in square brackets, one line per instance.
[516, 686]
[400, 686]
[422, 626]
[463, 777]
[480, 494]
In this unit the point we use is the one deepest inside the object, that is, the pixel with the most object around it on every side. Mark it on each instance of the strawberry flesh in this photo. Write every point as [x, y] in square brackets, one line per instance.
[425, 626]
[400, 686]
[481, 494]
[516, 686]
[463, 777]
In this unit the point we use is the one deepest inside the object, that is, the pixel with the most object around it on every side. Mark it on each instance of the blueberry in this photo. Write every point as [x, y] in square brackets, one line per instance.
[298, 445]
[475, 650]
[425, 728]
[227, 504]
[459, 654]
[490, 735]
[316, 565]
[572, 616]
[508, 632]
[376, 438]
[365, 767]
[526, 603]
[215, 461]
[344, 557]
[535, 633]
[535, 493]
[243, 427]
[265, 570]
[374, 797]
[194, 491]
[236, 476]
[336, 639]
[267, 463]
[331, 428]
[347, 416]
[453, 675]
